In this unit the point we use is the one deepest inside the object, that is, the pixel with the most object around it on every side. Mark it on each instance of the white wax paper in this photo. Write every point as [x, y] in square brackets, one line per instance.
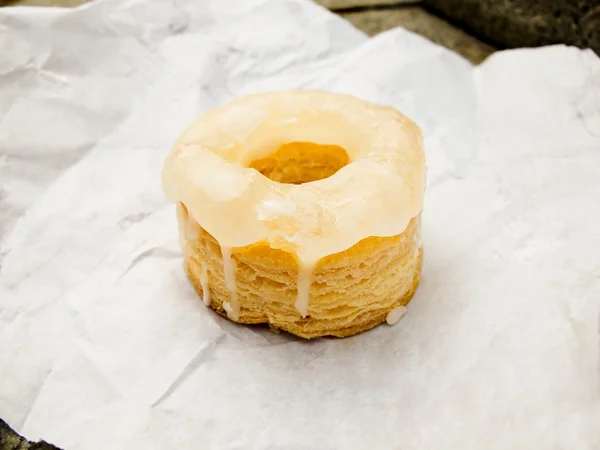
[104, 344]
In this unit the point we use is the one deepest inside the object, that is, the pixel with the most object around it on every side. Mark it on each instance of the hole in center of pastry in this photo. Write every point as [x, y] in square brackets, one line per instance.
[302, 162]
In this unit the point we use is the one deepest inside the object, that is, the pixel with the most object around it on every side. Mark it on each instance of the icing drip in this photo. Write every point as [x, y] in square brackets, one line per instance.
[232, 307]
[304, 282]
[182, 217]
[181, 212]
[204, 284]
[192, 229]
[395, 315]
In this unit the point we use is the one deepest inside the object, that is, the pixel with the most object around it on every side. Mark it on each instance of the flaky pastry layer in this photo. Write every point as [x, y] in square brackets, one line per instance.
[351, 291]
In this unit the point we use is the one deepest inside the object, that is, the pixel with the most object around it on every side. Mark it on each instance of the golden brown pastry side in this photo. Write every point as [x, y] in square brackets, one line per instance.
[310, 173]
[351, 291]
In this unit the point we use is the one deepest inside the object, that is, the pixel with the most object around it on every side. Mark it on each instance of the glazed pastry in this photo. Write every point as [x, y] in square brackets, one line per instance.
[301, 209]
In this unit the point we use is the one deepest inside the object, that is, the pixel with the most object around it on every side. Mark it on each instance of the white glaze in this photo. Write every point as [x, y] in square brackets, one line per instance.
[181, 212]
[232, 307]
[204, 284]
[192, 229]
[303, 284]
[395, 315]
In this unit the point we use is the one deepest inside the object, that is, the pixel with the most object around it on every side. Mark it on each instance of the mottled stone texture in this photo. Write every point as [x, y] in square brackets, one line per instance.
[9, 440]
[421, 22]
[526, 23]
[345, 4]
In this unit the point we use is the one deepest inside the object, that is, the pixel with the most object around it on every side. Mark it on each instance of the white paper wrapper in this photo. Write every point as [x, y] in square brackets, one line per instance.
[104, 344]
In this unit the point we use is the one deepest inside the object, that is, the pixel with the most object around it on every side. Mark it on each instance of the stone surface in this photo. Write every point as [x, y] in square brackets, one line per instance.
[9, 440]
[347, 4]
[526, 23]
[428, 25]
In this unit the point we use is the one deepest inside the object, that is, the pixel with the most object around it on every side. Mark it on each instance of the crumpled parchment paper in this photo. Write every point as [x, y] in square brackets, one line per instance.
[104, 344]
